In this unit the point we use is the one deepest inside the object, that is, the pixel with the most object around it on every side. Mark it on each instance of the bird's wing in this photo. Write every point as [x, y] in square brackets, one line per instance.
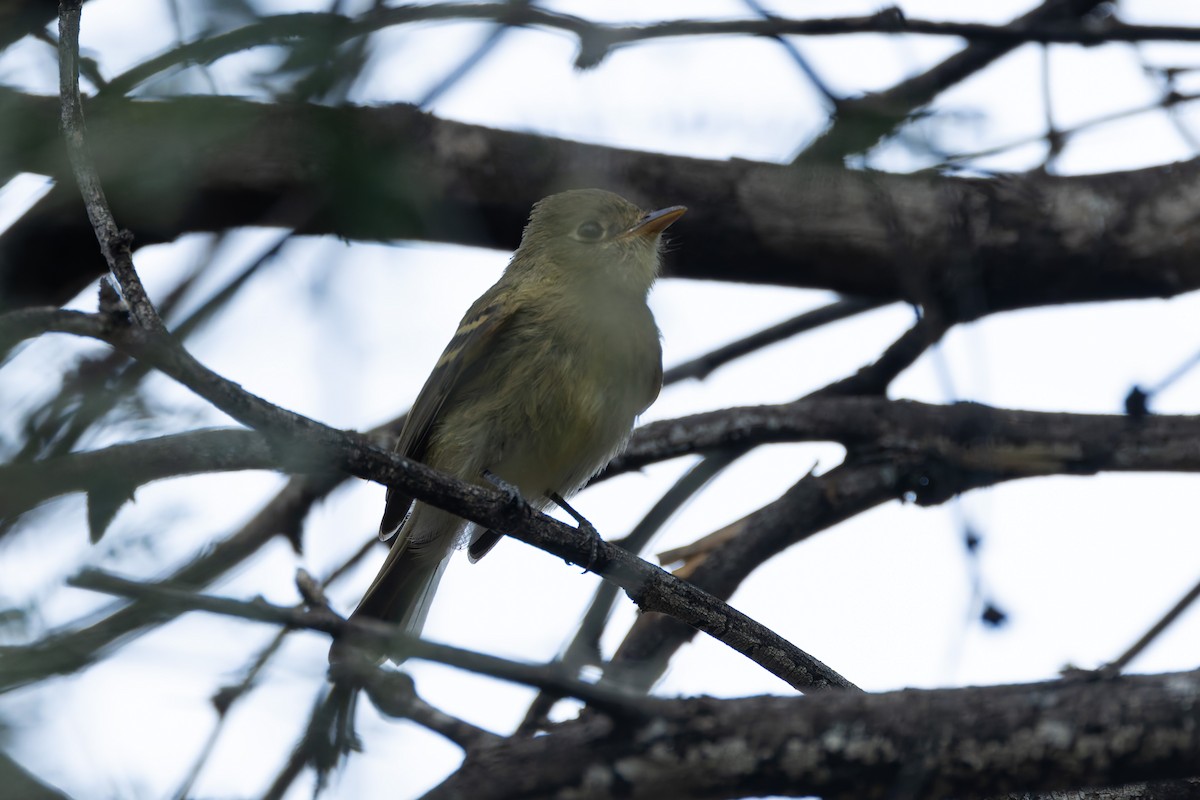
[472, 345]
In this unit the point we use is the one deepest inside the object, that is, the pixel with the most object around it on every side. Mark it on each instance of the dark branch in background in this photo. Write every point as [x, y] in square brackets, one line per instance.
[596, 40]
[391, 639]
[968, 435]
[700, 368]
[66, 651]
[650, 643]
[385, 173]
[20, 18]
[861, 123]
[19, 782]
[124, 467]
[979, 742]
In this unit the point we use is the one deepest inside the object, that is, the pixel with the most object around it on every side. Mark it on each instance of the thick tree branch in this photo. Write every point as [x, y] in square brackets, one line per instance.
[387, 173]
[970, 436]
[976, 742]
[124, 467]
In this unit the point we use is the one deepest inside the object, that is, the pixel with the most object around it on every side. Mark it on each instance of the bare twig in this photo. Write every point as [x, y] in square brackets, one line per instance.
[391, 639]
[700, 368]
[66, 651]
[1064, 134]
[863, 121]
[874, 378]
[229, 695]
[597, 40]
[25, 485]
[584, 647]
[394, 694]
[114, 242]
[1141, 644]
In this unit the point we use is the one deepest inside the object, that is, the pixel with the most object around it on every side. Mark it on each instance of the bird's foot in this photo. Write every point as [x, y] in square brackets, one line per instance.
[586, 528]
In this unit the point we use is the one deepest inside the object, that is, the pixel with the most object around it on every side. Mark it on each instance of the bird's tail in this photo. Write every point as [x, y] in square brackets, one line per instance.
[403, 590]
[330, 736]
[401, 594]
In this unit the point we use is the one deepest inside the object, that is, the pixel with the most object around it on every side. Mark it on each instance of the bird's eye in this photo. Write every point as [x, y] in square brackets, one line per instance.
[590, 231]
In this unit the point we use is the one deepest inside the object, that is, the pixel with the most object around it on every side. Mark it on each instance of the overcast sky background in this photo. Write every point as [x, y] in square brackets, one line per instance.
[346, 333]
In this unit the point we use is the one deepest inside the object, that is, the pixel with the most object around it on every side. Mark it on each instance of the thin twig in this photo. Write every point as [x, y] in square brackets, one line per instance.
[797, 57]
[391, 639]
[597, 40]
[394, 694]
[874, 378]
[954, 159]
[863, 122]
[651, 641]
[1141, 644]
[584, 647]
[114, 242]
[229, 695]
[700, 368]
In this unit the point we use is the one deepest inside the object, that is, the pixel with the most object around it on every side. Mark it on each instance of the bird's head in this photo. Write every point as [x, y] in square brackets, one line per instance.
[594, 234]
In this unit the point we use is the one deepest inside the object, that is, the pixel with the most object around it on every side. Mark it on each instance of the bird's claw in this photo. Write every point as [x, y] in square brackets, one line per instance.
[512, 495]
[584, 527]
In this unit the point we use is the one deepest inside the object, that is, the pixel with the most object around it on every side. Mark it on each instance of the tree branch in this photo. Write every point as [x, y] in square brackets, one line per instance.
[701, 367]
[969, 436]
[982, 246]
[114, 243]
[390, 639]
[597, 40]
[861, 122]
[128, 466]
[977, 742]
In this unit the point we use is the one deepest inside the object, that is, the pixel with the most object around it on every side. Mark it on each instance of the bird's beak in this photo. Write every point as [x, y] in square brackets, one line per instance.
[655, 222]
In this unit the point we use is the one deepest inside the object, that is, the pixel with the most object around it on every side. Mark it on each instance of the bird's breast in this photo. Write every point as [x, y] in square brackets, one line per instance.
[592, 378]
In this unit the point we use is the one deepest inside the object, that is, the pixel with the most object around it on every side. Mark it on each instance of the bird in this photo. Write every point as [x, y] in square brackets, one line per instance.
[539, 387]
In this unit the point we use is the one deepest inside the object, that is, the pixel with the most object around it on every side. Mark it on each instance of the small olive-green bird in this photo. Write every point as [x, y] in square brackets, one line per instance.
[540, 385]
